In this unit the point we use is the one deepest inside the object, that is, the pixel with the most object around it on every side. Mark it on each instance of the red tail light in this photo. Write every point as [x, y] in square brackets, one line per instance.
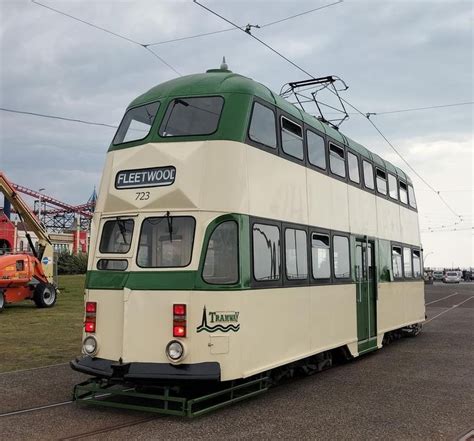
[90, 322]
[179, 320]
[179, 331]
[91, 307]
[179, 309]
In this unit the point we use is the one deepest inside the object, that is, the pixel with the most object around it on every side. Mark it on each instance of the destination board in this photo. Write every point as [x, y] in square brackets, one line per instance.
[145, 177]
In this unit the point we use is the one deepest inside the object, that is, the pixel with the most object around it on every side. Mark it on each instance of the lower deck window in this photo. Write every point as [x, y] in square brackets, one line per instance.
[397, 262]
[266, 252]
[166, 241]
[296, 254]
[116, 236]
[407, 271]
[222, 256]
[341, 257]
[416, 264]
[320, 253]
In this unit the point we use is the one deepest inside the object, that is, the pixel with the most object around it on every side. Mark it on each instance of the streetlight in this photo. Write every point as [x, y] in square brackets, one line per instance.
[39, 203]
[425, 257]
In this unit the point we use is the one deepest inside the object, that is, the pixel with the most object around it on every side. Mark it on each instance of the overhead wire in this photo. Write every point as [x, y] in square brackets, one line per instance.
[144, 46]
[42, 115]
[243, 27]
[367, 116]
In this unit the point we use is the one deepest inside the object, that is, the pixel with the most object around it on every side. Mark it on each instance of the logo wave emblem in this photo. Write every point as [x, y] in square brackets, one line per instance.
[204, 326]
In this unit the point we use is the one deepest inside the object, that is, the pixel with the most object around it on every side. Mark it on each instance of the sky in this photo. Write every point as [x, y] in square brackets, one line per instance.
[393, 55]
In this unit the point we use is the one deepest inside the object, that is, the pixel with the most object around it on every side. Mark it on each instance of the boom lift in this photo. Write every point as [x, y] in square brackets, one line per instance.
[24, 275]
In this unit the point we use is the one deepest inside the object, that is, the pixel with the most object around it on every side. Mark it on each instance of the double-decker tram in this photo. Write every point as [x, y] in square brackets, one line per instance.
[234, 235]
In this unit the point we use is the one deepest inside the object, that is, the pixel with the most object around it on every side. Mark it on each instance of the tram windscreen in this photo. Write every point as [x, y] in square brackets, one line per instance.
[116, 236]
[166, 242]
[192, 116]
[136, 123]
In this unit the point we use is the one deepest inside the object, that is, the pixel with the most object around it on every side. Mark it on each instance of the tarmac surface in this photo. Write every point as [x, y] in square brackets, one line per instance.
[414, 389]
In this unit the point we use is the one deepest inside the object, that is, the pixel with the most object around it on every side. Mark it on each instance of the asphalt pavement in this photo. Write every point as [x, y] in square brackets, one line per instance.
[414, 389]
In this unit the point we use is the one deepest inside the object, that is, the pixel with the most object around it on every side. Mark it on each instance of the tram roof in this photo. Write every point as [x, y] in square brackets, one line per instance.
[221, 81]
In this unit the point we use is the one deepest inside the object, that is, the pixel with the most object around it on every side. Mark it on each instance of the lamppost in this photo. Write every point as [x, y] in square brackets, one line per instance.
[39, 203]
[425, 257]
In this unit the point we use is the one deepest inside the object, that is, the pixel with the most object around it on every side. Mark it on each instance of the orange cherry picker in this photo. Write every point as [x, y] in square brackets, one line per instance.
[27, 275]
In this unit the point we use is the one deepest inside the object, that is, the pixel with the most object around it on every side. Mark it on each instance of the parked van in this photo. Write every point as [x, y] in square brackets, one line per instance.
[438, 275]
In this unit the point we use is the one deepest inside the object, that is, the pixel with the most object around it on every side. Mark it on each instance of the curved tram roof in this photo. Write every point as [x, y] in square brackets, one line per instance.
[217, 81]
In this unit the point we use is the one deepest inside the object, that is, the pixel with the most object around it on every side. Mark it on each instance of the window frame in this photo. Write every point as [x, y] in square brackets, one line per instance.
[152, 127]
[206, 245]
[164, 268]
[259, 145]
[415, 207]
[392, 246]
[408, 247]
[309, 164]
[400, 182]
[420, 255]
[298, 123]
[340, 280]
[379, 193]
[321, 232]
[254, 283]
[286, 280]
[167, 115]
[338, 145]
[115, 219]
[370, 190]
[349, 180]
[391, 198]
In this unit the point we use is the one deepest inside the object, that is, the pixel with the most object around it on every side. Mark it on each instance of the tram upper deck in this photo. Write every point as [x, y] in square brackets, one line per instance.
[214, 142]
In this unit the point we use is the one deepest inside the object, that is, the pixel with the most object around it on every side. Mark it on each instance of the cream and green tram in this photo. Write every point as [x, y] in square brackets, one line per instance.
[235, 234]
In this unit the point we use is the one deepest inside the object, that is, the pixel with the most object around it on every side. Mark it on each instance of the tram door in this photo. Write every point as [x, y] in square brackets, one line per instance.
[366, 295]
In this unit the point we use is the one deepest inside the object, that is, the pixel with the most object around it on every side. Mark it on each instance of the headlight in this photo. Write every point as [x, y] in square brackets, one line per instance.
[89, 345]
[174, 350]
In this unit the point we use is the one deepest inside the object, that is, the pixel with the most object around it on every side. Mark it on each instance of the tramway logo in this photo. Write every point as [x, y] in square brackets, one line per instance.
[145, 177]
[223, 321]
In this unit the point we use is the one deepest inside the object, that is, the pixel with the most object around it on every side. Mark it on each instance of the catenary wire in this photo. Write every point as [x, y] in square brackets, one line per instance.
[42, 115]
[205, 34]
[342, 99]
[144, 46]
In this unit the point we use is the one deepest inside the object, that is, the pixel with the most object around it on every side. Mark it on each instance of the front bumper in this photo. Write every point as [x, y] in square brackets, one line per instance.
[113, 370]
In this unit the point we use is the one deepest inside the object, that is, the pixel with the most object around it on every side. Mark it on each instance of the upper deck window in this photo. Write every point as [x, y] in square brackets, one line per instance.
[136, 123]
[411, 197]
[353, 166]
[392, 186]
[403, 193]
[337, 160]
[166, 241]
[381, 181]
[116, 236]
[192, 116]
[263, 126]
[291, 138]
[368, 175]
[316, 150]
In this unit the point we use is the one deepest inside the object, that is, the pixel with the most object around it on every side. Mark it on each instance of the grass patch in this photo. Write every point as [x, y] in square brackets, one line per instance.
[33, 337]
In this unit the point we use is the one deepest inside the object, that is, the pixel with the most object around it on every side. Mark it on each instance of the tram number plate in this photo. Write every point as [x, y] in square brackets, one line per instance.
[145, 177]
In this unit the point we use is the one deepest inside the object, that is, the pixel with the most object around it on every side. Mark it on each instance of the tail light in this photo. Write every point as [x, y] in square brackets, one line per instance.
[90, 322]
[179, 320]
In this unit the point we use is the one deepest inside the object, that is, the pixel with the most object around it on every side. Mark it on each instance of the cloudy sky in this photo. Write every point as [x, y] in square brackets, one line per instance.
[393, 55]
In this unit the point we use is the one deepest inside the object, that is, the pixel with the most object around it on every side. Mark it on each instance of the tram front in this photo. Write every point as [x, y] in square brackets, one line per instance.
[164, 259]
